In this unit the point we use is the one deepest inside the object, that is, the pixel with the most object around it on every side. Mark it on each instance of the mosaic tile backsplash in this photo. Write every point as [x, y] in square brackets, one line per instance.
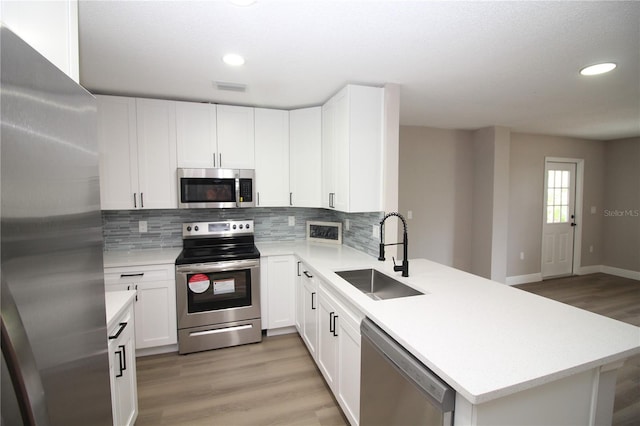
[164, 227]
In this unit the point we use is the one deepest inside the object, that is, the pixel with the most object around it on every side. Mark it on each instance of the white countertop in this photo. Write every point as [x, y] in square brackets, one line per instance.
[116, 302]
[485, 339]
[140, 257]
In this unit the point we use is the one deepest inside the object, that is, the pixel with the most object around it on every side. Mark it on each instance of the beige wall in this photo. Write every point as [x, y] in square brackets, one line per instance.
[527, 156]
[621, 212]
[436, 182]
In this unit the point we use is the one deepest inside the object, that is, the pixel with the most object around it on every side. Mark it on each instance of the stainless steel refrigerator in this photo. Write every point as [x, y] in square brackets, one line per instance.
[55, 367]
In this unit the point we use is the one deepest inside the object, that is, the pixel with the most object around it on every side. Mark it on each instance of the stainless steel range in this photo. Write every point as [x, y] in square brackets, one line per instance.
[218, 286]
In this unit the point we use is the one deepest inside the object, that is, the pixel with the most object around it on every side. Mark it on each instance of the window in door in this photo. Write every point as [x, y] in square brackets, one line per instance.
[558, 185]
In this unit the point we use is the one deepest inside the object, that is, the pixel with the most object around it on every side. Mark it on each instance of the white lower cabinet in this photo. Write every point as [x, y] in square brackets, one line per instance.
[307, 308]
[122, 369]
[280, 290]
[339, 351]
[155, 304]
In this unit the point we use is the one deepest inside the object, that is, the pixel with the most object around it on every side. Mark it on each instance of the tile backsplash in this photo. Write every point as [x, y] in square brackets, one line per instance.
[164, 227]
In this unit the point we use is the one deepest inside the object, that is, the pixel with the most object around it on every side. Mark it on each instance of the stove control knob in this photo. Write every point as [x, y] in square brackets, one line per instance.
[240, 226]
[234, 226]
[188, 229]
[196, 228]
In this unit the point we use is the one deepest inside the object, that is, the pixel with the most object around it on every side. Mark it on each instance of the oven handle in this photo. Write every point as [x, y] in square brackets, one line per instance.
[218, 266]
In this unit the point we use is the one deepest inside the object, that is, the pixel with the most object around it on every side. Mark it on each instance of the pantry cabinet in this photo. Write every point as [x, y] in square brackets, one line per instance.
[137, 146]
[352, 143]
[305, 157]
[272, 157]
[339, 351]
[122, 369]
[155, 303]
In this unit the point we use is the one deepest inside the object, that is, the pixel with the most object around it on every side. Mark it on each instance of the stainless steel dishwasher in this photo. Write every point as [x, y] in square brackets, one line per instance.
[396, 388]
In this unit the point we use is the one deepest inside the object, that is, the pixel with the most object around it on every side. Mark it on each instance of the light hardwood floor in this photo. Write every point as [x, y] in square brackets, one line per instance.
[613, 297]
[277, 382]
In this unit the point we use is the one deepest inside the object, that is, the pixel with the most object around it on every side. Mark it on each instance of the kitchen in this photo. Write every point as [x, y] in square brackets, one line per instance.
[124, 227]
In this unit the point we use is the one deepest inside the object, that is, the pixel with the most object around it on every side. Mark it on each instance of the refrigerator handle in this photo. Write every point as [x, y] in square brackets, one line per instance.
[18, 356]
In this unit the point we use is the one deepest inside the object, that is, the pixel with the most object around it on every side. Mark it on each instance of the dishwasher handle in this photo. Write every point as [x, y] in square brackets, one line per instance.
[412, 368]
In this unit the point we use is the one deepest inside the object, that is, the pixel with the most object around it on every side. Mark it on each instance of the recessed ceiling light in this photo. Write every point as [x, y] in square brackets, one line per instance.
[233, 59]
[598, 68]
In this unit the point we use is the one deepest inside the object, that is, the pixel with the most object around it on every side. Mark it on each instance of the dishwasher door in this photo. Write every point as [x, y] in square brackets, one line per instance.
[396, 388]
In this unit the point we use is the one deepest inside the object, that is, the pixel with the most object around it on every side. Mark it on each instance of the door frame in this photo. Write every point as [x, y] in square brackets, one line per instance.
[577, 237]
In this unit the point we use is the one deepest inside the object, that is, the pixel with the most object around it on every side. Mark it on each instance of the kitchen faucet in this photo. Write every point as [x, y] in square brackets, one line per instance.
[405, 261]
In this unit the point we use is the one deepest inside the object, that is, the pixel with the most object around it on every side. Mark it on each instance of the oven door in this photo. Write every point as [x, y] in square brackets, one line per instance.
[217, 292]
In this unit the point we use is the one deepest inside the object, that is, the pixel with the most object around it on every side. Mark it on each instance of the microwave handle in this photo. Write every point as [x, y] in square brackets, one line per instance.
[237, 187]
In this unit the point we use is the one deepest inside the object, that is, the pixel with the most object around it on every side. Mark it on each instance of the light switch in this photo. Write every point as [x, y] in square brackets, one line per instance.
[593, 209]
[376, 231]
[142, 226]
[346, 224]
[292, 221]
[410, 214]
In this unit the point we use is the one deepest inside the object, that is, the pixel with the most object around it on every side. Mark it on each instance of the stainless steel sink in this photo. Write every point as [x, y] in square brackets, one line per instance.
[377, 285]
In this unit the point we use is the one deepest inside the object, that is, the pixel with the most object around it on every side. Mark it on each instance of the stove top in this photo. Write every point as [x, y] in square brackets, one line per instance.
[206, 242]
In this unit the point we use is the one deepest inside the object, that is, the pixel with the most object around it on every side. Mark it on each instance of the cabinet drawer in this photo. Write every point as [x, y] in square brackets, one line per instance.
[138, 274]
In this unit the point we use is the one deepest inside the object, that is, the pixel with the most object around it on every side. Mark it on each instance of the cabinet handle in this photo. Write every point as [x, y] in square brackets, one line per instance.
[313, 305]
[119, 353]
[121, 328]
[258, 194]
[220, 155]
[299, 267]
[214, 159]
[335, 331]
[139, 274]
[142, 200]
[307, 274]
[332, 323]
[123, 364]
[291, 198]
[135, 204]
[136, 292]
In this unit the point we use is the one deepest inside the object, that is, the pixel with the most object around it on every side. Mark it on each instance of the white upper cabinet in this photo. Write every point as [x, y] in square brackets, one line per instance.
[137, 143]
[118, 152]
[156, 125]
[50, 27]
[236, 137]
[196, 135]
[305, 157]
[272, 157]
[352, 143]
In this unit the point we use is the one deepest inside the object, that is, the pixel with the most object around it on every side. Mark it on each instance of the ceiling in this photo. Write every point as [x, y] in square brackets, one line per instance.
[459, 65]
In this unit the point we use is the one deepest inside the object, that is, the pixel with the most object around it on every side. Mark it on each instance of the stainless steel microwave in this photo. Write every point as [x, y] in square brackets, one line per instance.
[216, 188]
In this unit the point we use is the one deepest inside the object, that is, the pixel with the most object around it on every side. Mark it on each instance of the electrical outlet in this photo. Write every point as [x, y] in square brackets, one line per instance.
[347, 223]
[142, 226]
[593, 209]
[590, 249]
[292, 221]
[410, 214]
[521, 255]
[376, 231]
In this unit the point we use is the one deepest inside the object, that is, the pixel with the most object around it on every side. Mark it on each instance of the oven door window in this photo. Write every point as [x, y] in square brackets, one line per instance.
[219, 290]
[207, 190]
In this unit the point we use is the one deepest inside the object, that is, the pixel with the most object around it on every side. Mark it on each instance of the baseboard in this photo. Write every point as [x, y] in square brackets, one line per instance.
[591, 269]
[157, 350]
[523, 279]
[625, 273]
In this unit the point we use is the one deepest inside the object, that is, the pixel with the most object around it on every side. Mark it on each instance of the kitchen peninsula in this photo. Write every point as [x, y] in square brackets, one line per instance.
[512, 357]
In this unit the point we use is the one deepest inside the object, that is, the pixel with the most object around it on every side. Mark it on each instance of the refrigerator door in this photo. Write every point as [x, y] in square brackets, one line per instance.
[51, 232]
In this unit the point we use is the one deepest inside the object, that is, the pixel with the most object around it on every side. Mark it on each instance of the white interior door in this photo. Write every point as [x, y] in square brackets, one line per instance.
[559, 223]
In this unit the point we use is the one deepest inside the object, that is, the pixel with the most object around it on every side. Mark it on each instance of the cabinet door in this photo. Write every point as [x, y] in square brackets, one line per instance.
[327, 341]
[272, 157]
[299, 283]
[235, 129]
[305, 157]
[349, 367]
[156, 123]
[118, 152]
[281, 291]
[126, 384]
[196, 134]
[340, 152]
[328, 175]
[156, 314]
[310, 319]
